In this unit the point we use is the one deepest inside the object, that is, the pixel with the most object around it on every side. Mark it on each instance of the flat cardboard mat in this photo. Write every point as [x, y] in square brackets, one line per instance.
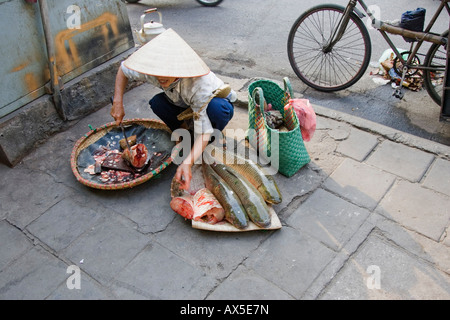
[225, 226]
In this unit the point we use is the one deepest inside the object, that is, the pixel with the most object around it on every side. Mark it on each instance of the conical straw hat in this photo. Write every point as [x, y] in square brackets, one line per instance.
[167, 55]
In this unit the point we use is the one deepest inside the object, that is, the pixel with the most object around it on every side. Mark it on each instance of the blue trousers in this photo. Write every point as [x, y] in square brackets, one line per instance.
[219, 110]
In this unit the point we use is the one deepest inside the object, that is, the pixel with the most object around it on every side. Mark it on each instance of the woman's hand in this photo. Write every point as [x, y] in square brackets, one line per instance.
[184, 172]
[184, 175]
[117, 111]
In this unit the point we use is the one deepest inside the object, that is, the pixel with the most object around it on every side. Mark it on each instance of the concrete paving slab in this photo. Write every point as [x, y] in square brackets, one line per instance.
[71, 218]
[340, 133]
[380, 270]
[362, 184]
[148, 205]
[53, 157]
[417, 208]
[322, 147]
[291, 259]
[244, 284]
[332, 269]
[328, 218]
[435, 252]
[106, 248]
[305, 181]
[159, 273]
[438, 178]
[14, 243]
[37, 193]
[216, 253]
[358, 145]
[34, 276]
[401, 160]
[89, 289]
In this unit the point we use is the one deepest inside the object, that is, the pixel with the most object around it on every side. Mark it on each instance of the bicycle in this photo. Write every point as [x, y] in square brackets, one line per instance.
[206, 3]
[329, 48]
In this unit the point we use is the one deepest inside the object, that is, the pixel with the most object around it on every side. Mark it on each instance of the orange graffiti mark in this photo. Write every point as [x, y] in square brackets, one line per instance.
[67, 62]
[32, 84]
[20, 67]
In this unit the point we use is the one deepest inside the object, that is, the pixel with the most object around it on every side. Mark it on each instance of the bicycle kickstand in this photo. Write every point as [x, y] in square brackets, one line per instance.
[398, 93]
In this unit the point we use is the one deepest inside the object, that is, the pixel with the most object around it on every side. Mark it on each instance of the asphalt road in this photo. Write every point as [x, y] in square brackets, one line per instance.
[248, 38]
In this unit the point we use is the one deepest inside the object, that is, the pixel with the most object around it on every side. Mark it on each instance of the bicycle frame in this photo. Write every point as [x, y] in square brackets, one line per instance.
[385, 28]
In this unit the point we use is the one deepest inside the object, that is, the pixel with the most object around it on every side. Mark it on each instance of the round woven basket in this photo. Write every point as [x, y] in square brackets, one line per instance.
[95, 134]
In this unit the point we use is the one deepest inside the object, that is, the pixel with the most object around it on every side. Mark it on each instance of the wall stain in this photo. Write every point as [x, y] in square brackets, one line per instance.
[32, 84]
[68, 60]
[20, 67]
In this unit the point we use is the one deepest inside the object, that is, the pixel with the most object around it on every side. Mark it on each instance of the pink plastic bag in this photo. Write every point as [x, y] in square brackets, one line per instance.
[306, 116]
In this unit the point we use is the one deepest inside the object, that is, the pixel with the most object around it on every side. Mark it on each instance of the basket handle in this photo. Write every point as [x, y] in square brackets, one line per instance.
[288, 92]
[262, 133]
[148, 11]
[258, 98]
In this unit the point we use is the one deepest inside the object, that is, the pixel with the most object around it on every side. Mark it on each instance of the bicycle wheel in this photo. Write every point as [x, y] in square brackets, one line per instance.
[434, 79]
[209, 3]
[328, 70]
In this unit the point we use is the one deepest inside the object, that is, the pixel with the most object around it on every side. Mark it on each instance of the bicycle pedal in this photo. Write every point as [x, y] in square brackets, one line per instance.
[399, 94]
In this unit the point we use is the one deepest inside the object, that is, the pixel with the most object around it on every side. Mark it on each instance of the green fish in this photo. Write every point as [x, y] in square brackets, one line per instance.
[250, 170]
[253, 202]
[234, 211]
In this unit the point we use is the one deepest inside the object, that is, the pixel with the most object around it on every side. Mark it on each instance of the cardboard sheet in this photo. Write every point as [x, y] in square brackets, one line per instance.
[225, 226]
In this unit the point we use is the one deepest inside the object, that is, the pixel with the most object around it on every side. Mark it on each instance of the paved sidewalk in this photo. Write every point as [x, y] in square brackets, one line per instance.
[368, 218]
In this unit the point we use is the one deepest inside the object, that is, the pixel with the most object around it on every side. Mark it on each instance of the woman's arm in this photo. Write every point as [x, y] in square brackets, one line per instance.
[117, 110]
[184, 172]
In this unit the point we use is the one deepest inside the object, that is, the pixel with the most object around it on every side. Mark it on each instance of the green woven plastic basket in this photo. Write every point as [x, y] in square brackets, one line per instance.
[291, 152]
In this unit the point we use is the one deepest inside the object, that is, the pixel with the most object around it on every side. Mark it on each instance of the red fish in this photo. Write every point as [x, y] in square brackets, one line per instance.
[207, 208]
[203, 206]
[137, 156]
[183, 205]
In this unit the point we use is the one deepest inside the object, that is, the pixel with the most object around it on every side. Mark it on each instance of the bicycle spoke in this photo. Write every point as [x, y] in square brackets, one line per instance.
[438, 75]
[345, 63]
[434, 75]
[314, 61]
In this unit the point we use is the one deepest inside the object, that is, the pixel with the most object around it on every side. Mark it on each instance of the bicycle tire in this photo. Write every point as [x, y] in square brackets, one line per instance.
[209, 3]
[335, 70]
[434, 81]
